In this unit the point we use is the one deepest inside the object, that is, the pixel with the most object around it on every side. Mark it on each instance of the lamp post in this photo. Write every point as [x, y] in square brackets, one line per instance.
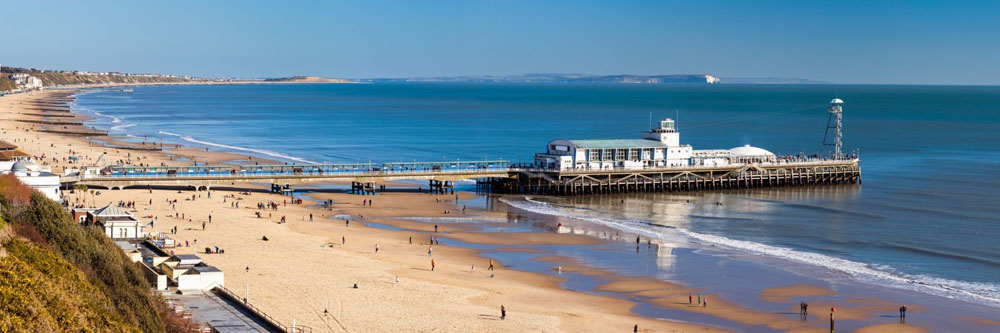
[246, 295]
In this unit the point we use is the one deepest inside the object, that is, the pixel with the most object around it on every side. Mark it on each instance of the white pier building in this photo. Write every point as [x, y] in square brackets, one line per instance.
[657, 148]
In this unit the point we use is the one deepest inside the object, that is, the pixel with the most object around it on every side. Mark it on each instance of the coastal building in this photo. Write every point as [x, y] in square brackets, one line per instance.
[33, 176]
[190, 273]
[659, 147]
[117, 223]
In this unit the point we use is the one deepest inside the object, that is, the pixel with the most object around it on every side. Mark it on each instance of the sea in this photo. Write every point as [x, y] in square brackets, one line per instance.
[926, 218]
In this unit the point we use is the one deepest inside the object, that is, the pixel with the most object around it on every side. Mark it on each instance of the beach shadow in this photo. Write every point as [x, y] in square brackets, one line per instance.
[488, 317]
[421, 269]
[789, 313]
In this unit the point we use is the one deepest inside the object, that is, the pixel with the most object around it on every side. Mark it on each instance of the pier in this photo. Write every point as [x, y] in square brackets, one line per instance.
[490, 176]
[673, 179]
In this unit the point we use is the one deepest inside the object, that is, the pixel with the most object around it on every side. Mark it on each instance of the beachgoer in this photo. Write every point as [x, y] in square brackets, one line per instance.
[411, 240]
[343, 240]
[376, 248]
[902, 311]
[435, 228]
[209, 218]
[503, 312]
[635, 329]
[432, 265]
[203, 226]
[491, 264]
[690, 299]
[310, 217]
[699, 298]
[704, 302]
[264, 238]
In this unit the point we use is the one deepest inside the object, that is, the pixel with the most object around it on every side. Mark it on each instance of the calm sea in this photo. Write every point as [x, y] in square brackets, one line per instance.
[925, 219]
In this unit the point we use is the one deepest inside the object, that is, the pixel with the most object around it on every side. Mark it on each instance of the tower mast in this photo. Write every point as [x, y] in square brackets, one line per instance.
[834, 123]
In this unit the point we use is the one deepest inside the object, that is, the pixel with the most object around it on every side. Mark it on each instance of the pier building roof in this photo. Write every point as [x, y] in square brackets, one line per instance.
[616, 143]
[748, 150]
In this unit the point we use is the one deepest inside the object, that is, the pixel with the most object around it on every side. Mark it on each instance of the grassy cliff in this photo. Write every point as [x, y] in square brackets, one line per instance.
[53, 78]
[56, 275]
[6, 84]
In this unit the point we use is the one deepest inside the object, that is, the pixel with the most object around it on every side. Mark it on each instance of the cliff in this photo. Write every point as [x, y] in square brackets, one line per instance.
[56, 275]
[569, 78]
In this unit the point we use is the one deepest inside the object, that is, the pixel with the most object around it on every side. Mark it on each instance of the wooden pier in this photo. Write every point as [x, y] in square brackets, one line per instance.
[580, 182]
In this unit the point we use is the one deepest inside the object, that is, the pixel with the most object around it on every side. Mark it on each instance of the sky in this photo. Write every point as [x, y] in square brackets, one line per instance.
[875, 42]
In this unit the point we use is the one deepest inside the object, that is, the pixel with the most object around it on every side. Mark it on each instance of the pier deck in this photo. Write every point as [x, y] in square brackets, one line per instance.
[495, 176]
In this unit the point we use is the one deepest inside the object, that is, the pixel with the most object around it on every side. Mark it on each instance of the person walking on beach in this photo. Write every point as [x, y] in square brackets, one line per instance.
[376, 248]
[503, 312]
[432, 265]
[435, 228]
[430, 251]
[635, 329]
[699, 298]
[203, 226]
[491, 264]
[802, 308]
[209, 218]
[343, 240]
[902, 311]
[704, 302]
[310, 217]
[690, 299]
[411, 240]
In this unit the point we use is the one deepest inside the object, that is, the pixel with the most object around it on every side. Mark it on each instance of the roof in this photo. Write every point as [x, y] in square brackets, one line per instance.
[110, 210]
[750, 151]
[617, 143]
[4, 145]
[7, 155]
[206, 269]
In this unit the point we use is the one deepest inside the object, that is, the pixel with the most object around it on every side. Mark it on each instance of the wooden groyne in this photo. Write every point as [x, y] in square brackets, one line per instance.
[576, 182]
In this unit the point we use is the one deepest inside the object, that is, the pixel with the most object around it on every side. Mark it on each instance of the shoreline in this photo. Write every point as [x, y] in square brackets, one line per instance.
[407, 267]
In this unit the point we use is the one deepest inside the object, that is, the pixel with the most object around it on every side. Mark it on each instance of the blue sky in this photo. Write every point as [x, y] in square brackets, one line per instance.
[911, 42]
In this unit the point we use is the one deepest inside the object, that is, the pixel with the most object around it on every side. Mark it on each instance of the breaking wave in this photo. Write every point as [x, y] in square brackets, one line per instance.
[975, 292]
[265, 152]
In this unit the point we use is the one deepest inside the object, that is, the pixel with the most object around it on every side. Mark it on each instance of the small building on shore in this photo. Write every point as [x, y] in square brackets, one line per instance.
[189, 272]
[33, 176]
[117, 223]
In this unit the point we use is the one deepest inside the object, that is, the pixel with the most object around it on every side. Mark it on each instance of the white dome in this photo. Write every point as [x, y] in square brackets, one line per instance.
[19, 166]
[750, 151]
[837, 101]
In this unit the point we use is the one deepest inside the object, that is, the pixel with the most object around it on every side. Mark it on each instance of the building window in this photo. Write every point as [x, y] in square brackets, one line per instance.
[647, 153]
[595, 154]
[607, 155]
[619, 154]
[633, 154]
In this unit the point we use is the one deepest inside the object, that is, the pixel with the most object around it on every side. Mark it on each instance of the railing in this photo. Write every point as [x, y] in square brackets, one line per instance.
[256, 311]
[797, 162]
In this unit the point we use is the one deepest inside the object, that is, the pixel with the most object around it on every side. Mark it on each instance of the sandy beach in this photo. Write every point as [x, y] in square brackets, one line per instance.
[307, 267]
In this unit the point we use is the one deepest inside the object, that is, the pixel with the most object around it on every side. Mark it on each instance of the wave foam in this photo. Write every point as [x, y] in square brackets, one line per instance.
[975, 292]
[266, 152]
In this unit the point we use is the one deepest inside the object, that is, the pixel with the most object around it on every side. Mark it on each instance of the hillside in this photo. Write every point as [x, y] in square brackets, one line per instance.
[568, 78]
[59, 78]
[6, 84]
[307, 79]
[56, 275]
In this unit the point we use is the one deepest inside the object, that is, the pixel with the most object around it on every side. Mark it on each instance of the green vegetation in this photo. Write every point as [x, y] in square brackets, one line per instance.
[57, 78]
[56, 275]
[6, 84]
